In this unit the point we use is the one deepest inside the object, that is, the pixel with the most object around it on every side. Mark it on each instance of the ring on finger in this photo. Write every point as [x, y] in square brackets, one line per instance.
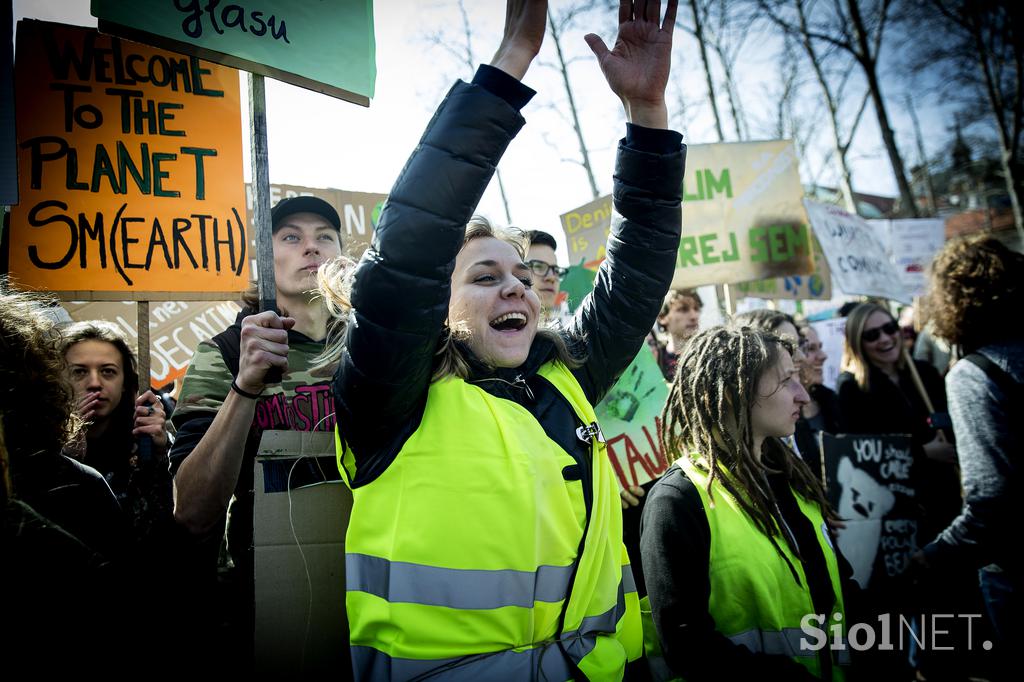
[150, 412]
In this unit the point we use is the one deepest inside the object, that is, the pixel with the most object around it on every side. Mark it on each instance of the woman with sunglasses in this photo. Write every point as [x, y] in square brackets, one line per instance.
[878, 394]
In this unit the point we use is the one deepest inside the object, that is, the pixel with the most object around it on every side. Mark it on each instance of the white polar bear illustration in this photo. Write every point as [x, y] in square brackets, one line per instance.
[862, 505]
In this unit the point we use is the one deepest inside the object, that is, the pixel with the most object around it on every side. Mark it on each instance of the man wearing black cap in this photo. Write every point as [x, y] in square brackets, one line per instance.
[226, 401]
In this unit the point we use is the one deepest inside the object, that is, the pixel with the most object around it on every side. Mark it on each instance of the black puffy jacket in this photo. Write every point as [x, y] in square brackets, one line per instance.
[402, 284]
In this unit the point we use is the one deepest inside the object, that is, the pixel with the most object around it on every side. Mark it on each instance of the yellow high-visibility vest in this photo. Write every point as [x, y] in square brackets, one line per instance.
[755, 600]
[461, 555]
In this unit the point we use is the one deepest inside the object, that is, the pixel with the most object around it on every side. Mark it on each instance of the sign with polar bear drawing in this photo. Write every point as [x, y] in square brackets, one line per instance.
[870, 481]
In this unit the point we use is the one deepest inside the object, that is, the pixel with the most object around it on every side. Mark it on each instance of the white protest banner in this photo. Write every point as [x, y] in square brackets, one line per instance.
[912, 245]
[858, 261]
[832, 333]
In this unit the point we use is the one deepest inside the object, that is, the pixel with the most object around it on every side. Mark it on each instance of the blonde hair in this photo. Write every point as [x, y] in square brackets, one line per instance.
[854, 359]
[335, 282]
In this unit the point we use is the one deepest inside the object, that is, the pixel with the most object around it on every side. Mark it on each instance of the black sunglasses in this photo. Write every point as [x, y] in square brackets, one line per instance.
[871, 335]
[541, 269]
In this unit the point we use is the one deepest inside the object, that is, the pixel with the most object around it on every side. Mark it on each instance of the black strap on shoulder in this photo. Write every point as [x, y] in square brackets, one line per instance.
[1010, 387]
[229, 342]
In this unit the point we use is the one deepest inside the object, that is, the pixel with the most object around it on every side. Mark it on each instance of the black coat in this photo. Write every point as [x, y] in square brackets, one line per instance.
[403, 282]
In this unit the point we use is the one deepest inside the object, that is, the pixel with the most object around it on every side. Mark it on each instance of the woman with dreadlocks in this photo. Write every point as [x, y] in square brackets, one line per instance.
[735, 539]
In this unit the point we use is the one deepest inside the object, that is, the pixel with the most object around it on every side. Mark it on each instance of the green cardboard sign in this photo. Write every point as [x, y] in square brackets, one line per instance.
[629, 417]
[328, 47]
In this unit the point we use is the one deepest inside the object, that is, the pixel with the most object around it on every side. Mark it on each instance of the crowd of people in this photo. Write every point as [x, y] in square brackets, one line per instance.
[488, 536]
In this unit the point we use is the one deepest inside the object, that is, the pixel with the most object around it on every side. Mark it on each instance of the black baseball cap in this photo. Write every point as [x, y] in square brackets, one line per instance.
[305, 204]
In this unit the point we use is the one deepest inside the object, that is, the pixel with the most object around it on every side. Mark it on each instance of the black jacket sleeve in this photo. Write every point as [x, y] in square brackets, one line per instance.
[675, 544]
[637, 272]
[402, 284]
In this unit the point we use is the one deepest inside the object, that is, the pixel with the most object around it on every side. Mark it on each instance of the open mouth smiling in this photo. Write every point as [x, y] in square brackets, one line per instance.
[509, 322]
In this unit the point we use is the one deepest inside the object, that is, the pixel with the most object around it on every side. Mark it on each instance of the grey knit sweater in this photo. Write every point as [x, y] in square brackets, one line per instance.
[989, 432]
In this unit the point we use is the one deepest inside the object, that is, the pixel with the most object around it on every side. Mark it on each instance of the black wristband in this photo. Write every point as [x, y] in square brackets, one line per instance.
[244, 394]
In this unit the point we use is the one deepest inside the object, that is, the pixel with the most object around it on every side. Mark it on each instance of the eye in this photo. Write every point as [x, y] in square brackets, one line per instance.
[484, 279]
[326, 238]
[77, 372]
[527, 282]
[290, 238]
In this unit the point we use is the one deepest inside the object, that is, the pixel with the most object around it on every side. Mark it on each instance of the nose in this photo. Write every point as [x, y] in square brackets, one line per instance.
[312, 246]
[92, 381]
[801, 397]
[514, 288]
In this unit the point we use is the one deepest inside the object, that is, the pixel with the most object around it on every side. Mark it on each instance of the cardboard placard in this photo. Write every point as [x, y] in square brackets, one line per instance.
[175, 329]
[301, 515]
[358, 212]
[630, 416]
[324, 46]
[131, 170]
[858, 260]
[832, 333]
[742, 217]
[871, 482]
[912, 245]
[814, 286]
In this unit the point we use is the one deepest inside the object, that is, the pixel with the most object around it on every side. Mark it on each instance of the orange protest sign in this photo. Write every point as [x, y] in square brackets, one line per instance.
[130, 170]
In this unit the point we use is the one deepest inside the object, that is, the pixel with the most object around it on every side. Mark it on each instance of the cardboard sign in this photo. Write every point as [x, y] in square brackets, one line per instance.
[358, 212]
[858, 260]
[629, 417]
[742, 217]
[131, 170]
[175, 329]
[815, 286]
[871, 482]
[912, 245]
[301, 513]
[586, 231]
[324, 46]
[832, 333]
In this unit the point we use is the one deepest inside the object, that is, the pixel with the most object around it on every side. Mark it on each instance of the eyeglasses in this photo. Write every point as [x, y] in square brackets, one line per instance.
[871, 335]
[541, 269]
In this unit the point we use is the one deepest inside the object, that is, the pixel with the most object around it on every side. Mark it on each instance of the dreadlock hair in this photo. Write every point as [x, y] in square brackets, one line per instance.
[763, 318]
[707, 418]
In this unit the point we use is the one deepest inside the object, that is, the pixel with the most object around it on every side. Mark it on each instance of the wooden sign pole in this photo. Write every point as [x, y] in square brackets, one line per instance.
[261, 193]
[142, 324]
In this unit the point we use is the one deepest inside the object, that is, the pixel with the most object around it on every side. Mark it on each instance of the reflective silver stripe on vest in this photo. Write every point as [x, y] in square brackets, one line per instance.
[456, 588]
[775, 642]
[544, 662]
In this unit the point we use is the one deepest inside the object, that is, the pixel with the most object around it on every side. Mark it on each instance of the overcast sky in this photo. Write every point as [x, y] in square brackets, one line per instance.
[318, 141]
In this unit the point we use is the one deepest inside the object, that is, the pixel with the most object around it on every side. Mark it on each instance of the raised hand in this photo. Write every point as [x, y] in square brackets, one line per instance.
[637, 67]
[525, 23]
[150, 418]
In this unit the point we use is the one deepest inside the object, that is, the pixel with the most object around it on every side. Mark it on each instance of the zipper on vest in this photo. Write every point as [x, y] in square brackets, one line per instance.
[588, 433]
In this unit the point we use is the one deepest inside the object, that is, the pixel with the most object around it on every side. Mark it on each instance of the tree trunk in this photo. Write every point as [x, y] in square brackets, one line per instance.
[698, 32]
[572, 107]
[867, 61]
[845, 179]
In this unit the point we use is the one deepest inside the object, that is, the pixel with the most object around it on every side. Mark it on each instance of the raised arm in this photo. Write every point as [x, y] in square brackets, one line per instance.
[642, 246]
[402, 284]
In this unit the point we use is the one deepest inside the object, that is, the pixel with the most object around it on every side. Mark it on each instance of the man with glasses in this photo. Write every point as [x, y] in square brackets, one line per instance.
[546, 271]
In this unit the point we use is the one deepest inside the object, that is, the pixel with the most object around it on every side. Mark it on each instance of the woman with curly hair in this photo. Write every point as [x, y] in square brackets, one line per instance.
[39, 422]
[736, 543]
[977, 286]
